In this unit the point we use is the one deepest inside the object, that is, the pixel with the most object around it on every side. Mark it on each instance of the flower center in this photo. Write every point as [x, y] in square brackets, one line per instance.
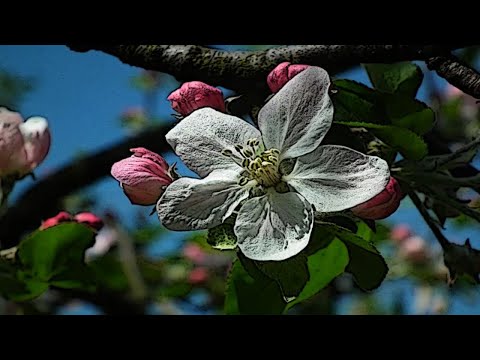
[259, 166]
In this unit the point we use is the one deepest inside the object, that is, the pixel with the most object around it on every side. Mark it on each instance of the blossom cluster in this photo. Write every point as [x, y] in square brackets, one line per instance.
[273, 177]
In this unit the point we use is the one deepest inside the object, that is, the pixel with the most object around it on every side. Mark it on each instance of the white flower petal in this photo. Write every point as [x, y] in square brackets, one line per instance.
[199, 139]
[297, 118]
[195, 204]
[274, 227]
[334, 178]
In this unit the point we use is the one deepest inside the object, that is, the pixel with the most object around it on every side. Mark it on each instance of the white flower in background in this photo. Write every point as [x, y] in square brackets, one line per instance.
[277, 176]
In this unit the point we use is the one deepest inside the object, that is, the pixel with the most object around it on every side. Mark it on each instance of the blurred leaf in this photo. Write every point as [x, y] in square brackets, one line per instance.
[56, 253]
[409, 144]
[14, 286]
[177, 290]
[76, 277]
[469, 55]
[13, 89]
[152, 272]
[367, 265]
[222, 237]
[291, 274]
[245, 294]
[147, 234]
[403, 77]
[108, 272]
[324, 266]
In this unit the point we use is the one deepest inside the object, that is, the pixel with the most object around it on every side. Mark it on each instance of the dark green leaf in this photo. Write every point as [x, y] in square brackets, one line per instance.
[409, 113]
[409, 144]
[57, 251]
[357, 102]
[13, 89]
[321, 237]
[251, 295]
[342, 135]
[75, 277]
[222, 237]
[380, 234]
[291, 274]
[404, 77]
[29, 289]
[324, 266]
[175, 290]
[367, 265]
[419, 122]
[15, 288]
[147, 234]
[108, 273]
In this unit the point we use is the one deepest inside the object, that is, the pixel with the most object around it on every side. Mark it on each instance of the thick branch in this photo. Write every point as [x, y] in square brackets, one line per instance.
[44, 198]
[246, 70]
[456, 73]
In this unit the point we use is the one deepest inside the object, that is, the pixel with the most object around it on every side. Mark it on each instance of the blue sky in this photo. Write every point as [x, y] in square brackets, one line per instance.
[82, 96]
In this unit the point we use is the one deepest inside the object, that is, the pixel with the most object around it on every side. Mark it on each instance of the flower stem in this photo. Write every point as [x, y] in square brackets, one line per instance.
[130, 266]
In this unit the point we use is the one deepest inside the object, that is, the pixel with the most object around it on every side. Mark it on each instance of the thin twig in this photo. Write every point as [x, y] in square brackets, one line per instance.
[442, 240]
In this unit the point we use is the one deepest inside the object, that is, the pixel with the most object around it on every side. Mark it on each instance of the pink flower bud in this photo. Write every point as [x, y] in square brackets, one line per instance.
[283, 73]
[12, 152]
[37, 141]
[143, 176]
[23, 145]
[194, 95]
[62, 216]
[198, 276]
[194, 253]
[381, 205]
[89, 219]
[400, 233]
[414, 249]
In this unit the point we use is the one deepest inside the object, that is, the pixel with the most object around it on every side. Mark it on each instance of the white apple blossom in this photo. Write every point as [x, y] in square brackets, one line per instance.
[274, 177]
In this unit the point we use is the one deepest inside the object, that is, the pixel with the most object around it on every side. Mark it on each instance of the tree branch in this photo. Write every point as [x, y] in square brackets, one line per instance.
[456, 73]
[247, 70]
[442, 240]
[43, 200]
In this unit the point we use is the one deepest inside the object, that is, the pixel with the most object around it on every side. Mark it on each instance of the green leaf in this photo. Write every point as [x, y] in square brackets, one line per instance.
[320, 238]
[147, 234]
[409, 113]
[419, 122]
[357, 102]
[291, 274]
[222, 237]
[324, 266]
[251, 295]
[402, 77]
[380, 234]
[176, 290]
[57, 252]
[13, 287]
[31, 288]
[108, 273]
[409, 144]
[367, 265]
